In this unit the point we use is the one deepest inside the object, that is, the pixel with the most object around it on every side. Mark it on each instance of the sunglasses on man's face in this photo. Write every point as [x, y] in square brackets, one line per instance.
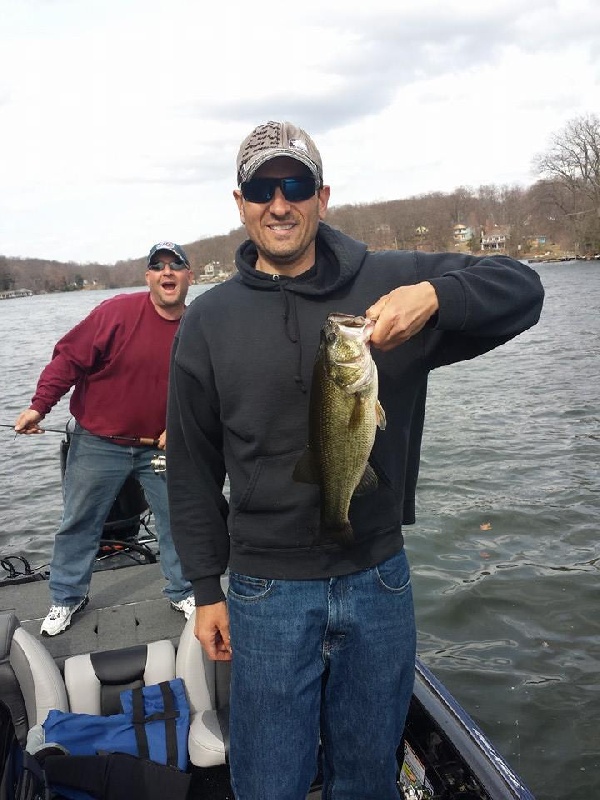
[158, 266]
[295, 190]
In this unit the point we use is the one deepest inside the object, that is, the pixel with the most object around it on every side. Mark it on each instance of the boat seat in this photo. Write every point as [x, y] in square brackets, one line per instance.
[94, 681]
[30, 681]
[207, 685]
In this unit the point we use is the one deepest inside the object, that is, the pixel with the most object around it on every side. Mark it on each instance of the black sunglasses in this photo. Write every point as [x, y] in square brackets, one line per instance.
[158, 266]
[295, 190]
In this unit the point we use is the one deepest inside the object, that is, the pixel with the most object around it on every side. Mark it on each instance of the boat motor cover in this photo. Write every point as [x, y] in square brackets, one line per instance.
[154, 725]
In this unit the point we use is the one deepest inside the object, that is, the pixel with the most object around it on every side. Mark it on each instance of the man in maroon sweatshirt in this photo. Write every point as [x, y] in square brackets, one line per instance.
[117, 360]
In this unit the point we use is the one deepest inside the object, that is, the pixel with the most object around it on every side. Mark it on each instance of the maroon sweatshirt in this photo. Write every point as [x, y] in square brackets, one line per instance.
[118, 360]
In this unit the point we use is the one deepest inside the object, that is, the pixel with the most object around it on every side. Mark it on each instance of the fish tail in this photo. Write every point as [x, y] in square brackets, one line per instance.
[342, 534]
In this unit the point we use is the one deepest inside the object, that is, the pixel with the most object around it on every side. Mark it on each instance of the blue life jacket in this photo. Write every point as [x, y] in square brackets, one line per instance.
[154, 726]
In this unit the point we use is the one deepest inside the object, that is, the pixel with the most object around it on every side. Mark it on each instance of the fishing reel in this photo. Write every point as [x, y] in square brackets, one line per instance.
[159, 463]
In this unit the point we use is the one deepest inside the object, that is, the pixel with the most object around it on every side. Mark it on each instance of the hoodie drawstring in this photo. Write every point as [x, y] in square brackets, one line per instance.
[292, 330]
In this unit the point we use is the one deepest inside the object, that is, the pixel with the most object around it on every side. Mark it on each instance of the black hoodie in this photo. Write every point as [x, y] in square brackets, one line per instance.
[238, 403]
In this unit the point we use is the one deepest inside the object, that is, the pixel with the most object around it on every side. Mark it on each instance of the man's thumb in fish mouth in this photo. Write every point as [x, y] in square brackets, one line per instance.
[375, 310]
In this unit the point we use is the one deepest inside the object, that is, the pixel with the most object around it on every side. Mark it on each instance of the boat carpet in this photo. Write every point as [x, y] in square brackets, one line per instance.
[126, 607]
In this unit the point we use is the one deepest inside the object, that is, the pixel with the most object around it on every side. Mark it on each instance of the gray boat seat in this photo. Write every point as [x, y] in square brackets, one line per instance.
[207, 685]
[30, 680]
[94, 681]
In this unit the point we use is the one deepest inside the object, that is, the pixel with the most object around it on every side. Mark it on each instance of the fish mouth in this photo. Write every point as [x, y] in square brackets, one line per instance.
[347, 320]
[354, 327]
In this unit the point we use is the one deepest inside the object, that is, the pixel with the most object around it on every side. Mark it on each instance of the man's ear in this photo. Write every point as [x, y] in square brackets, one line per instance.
[324, 192]
[237, 195]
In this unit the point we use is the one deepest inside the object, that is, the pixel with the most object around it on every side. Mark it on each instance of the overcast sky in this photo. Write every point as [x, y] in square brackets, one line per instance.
[120, 120]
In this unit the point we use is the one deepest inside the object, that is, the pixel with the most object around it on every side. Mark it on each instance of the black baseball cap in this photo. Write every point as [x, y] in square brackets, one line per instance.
[176, 249]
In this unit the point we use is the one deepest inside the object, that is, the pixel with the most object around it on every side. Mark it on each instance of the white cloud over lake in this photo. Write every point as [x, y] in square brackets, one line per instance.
[120, 119]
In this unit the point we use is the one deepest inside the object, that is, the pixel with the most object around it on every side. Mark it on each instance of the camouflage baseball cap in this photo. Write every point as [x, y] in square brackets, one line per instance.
[274, 139]
[176, 249]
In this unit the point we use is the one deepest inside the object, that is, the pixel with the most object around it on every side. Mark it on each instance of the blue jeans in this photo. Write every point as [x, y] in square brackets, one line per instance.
[329, 659]
[95, 471]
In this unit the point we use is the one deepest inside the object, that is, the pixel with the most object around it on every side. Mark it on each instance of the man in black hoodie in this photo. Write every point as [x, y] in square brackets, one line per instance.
[321, 637]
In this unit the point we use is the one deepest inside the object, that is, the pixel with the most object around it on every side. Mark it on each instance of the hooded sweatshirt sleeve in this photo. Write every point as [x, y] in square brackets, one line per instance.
[491, 296]
[196, 470]
[483, 302]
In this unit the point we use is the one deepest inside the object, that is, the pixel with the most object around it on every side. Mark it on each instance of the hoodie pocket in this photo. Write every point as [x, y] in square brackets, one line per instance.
[275, 510]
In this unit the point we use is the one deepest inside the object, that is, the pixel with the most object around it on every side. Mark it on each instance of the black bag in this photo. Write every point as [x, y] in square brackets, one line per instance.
[21, 777]
[32, 782]
[117, 776]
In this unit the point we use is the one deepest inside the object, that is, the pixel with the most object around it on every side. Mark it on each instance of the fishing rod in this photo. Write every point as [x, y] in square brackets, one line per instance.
[137, 439]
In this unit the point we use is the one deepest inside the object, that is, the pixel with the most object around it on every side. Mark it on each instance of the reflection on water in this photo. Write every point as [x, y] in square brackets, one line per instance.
[505, 553]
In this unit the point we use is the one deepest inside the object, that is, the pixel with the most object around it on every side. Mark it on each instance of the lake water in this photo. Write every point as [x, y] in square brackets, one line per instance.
[505, 553]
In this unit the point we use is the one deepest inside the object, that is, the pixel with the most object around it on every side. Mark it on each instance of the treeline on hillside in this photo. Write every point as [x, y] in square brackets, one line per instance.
[426, 222]
[559, 213]
[44, 276]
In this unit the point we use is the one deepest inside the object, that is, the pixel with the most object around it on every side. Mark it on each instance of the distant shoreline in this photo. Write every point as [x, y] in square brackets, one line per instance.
[204, 280]
[556, 259]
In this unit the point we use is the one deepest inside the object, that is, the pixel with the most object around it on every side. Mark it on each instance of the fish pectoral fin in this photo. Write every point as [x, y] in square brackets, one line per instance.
[357, 414]
[304, 471]
[369, 481]
[380, 416]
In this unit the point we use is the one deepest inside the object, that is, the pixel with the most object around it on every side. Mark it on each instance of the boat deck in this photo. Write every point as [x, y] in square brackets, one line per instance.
[127, 607]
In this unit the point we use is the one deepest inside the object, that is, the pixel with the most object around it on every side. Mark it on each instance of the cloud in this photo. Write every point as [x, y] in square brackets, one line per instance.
[128, 116]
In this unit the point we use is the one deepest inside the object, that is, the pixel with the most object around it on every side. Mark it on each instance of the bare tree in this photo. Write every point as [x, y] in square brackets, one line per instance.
[461, 204]
[7, 280]
[571, 167]
[489, 205]
[514, 216]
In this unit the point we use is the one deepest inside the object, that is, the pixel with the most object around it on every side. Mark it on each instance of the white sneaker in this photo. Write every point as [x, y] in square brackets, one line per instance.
[187, 605]
[59, 618]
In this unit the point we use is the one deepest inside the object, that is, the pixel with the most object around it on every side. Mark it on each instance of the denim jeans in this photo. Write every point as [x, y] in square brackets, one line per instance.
[330, 660]
[95, 471]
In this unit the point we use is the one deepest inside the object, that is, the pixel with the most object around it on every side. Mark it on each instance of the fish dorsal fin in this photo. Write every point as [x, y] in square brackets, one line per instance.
[380, 416]
[369, 481]
[304, 471]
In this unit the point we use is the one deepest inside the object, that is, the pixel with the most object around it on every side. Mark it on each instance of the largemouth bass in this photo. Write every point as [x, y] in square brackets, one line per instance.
[343, 420]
